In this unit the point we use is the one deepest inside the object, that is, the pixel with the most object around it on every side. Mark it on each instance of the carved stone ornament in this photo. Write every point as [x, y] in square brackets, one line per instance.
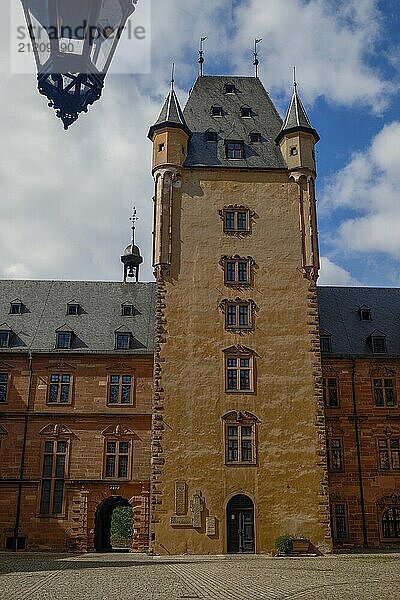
[118, 431]
[382, 372]
[56, 430]
[197, 507]
[390, 500]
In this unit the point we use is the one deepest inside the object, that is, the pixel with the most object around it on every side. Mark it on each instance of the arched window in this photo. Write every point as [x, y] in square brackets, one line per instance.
[391, 522]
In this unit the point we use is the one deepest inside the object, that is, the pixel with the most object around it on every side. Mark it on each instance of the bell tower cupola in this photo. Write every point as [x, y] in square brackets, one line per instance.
[131, 257]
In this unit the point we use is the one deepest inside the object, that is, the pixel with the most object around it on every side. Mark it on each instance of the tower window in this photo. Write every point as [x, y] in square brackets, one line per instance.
[230, 88]
[237, 271]
[293, 151]
[53, 475]
[161, 147]
[245, 111]
[334, 454]
[238, 314]
[59, 389]
[330, 392]
[234, 149]
[122, 341]
[73, 308]
[211, 136]
[384, 392]
[117, 460]
[120, 389]
[217, 111]
[4, 381]
[236, 219]
[255, 137]
[239, 372]
[63, 339]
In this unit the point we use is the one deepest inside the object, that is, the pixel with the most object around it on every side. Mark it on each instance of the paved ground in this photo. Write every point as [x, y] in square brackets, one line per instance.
[138, 577]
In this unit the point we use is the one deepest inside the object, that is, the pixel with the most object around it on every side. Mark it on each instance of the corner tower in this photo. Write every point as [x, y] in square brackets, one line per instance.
[238, 455]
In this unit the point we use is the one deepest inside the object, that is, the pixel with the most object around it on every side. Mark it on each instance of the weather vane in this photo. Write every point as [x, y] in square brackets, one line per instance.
[201, 55]
[256, 61]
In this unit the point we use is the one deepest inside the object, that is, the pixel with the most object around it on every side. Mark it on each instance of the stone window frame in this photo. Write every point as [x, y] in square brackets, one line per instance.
[236, 209]
[240, 420]
[239, 353]
[326, 388]
[237, 303]
[121, 384]
[61, 384]
[384, 388]
[333, 452]
[388, 446]
[338, 519]
[384, 523]
[238, 260]
[55, 440]
[117, 454]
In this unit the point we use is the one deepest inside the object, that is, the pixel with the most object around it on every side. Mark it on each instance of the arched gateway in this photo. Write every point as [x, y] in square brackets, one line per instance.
[102, 527]
[240, 525]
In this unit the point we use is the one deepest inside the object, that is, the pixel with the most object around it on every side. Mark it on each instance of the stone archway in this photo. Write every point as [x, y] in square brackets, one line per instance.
[102, 522]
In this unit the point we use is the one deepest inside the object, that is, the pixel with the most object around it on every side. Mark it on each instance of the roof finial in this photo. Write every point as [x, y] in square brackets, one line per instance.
[256, 61]
[201, 56]
[294, 80]
[133, 220]
[172, 76]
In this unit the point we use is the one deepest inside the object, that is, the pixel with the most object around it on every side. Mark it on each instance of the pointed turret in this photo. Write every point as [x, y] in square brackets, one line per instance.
[297, 136]
[170, 133]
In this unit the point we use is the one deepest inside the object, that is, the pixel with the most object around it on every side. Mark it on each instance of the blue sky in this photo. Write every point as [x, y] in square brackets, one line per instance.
[66, 197]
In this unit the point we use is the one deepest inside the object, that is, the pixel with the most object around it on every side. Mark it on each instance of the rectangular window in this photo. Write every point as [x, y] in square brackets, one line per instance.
[53, 476]
[237, 315]
[16, 308]
[63, 339]
[378, 345]
[72, 309]
[335, 456]
[236, 220]
[237, 272]
[239, 374]
[389, 454]
[120, 389]
[128, 310]
[117, 460]
[330, 392]
[384, 392]
[240, 443]
[59, 389]
[234, 150]
[3, 387]
[122, 341]
[326, 345]
[339, 518]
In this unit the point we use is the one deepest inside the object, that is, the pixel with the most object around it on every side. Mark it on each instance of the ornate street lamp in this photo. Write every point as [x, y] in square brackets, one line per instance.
[74, 42]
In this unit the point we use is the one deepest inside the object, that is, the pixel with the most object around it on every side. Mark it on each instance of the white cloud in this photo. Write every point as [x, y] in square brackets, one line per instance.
[332, 274]
[369, 185]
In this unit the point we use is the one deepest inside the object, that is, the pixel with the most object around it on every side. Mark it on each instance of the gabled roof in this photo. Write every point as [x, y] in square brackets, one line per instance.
[296, 119]
[209, 91]
[171, 115]
[94, 330]
[338, 309]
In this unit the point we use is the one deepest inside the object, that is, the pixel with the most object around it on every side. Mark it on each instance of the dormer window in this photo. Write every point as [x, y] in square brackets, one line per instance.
[234, 149]
[255, 137]
[365, 313]
[245, 112]
[63, 339]
[217, 111]
[230, 88]
[326, 343]
[123, 340]
[5, 338]
[16, 307]
[128, 310]
[73, 308]
[211, 135]
[378, 343]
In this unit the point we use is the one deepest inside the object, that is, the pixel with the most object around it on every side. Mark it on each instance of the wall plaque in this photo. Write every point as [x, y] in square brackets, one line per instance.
[182, 521]
[211, 525]
[180, 497]
[197, 507]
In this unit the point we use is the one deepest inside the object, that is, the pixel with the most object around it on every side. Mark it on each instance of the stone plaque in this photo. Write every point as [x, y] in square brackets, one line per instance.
[197, 507]
[211, 525]
[182, 521]
[180, 497]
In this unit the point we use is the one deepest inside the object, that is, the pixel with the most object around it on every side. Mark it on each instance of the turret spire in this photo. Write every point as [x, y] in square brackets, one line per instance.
[296, 117]
[171, 114]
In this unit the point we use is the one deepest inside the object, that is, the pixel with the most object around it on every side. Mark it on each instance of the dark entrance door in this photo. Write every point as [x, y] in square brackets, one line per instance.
[102, 524]
[240, 524]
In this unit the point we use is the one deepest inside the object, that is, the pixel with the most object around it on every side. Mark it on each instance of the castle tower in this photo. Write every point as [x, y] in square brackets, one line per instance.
[238, 450]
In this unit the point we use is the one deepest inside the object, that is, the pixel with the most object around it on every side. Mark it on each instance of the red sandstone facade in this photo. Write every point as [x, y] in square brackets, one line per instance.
[80, 429]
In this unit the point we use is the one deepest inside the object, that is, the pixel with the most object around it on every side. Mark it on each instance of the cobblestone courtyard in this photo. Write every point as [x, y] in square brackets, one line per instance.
[138, 577]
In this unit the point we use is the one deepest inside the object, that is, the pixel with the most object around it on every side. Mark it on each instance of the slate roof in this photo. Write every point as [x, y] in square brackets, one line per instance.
[209, 91]
[296, 119]
[171, 115]
[45, 304]
[339, 317]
